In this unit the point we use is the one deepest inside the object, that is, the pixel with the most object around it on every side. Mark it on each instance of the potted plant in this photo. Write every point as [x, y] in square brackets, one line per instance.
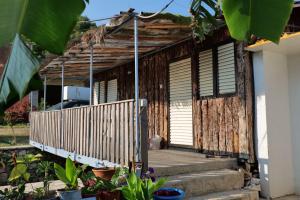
[91, 186]
[105, 173]
[169, 194]
[140, 189]
[110, 189]
[164, 193]
[101, 188]
[69, 176]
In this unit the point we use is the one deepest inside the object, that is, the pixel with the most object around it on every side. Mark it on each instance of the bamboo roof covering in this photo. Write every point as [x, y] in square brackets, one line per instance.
[113, 45]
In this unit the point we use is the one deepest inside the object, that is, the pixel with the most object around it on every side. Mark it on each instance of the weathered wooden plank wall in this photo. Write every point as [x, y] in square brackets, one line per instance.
[222, 126]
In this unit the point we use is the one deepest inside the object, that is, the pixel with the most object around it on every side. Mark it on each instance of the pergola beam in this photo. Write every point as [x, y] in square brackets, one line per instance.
[117, 47]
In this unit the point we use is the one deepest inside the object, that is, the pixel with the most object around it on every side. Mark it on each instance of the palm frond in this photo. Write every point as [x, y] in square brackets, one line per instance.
[204, 14]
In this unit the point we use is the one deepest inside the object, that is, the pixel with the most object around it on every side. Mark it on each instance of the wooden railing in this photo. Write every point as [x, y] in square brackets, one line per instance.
[103, 134]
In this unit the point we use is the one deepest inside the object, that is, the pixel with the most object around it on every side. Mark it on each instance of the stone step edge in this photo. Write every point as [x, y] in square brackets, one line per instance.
[230, 195]
[195, 168]
[196, 184]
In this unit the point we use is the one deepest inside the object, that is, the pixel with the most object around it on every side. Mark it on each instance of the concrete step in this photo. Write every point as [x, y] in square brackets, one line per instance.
[196, 166]
[201, 183]
[230, 195]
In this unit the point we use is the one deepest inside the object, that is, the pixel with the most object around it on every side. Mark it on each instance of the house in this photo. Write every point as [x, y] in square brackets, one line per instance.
[215, 97]
[199, 95]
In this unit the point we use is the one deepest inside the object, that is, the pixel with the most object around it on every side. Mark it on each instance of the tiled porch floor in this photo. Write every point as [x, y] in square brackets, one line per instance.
[171, 158]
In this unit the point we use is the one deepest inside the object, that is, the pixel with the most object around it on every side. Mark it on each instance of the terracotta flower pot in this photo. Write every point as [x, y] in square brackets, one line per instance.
[104, 173]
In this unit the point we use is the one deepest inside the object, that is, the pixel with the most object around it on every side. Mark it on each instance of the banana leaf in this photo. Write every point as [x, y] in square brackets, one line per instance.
[263, 18]
[204, 17]
[244, 18]
[47, 23]
[20, 74]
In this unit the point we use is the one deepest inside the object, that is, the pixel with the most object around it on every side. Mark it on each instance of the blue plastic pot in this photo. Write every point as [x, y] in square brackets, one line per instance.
[180, 195]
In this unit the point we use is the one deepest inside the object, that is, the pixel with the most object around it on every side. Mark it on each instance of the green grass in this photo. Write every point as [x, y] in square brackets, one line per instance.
[6, 141]
[20, 125]
[18, 131]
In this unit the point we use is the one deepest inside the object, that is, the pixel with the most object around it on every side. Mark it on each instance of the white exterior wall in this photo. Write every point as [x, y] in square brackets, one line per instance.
[273, 132]
[261, 136]
[294, 91]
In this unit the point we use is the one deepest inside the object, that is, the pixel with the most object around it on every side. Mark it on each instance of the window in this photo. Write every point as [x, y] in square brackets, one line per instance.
[102, 92]
[96, 93]
[217, 71]
[99, 92]
[112, 90]
[206, 79]
[226, 69]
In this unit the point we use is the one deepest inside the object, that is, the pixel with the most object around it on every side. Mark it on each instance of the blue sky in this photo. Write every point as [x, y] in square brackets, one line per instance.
[106, 8]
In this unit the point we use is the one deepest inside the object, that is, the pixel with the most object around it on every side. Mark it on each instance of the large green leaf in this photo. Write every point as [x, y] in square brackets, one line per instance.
[17, 75]
[60, 172]
[10, 14]
[263, 18]
[48, 23]
[70, 169]
[29, 158]
[18, 171]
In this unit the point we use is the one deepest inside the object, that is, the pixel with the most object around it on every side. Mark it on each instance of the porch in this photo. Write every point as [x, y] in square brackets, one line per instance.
[103, 135]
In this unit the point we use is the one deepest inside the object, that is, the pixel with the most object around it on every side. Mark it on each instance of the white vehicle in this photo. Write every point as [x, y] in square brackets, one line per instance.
[76, 93]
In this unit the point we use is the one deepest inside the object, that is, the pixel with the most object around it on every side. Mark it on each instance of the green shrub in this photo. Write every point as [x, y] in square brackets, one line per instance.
[70, 174]
[138, 189]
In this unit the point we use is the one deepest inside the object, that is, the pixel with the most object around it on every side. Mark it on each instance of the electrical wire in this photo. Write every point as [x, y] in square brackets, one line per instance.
[98, 20]
[157, 13]
[140, 15]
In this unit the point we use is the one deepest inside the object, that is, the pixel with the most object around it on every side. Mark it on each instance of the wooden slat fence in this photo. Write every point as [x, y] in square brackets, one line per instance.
[104, 132]
[45, 128]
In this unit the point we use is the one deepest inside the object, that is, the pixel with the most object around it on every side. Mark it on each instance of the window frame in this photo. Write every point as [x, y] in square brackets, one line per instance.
[216, 92]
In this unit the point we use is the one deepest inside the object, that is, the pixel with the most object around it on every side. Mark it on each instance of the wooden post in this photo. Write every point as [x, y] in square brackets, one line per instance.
[144, 133]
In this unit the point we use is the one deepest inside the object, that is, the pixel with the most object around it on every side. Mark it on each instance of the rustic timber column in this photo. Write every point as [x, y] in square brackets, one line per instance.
[244, 73]
[195, 98]
[144, 133]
